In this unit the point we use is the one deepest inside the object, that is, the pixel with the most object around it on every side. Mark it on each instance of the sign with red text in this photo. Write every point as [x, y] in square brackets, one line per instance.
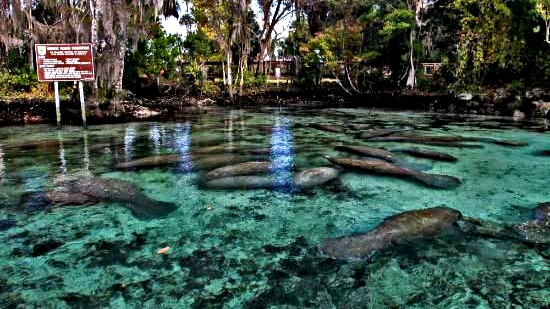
[64, 62]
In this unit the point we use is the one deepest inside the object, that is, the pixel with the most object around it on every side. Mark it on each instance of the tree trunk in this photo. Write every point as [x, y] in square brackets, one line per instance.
[548, 32]
[261, 56]
[223, 73]
[229, 55]
[30, 38]
[94, 12]
[119, 63]
[411, 79]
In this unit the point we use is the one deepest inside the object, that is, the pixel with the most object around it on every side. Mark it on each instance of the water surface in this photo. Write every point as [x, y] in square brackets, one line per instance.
[258, 248]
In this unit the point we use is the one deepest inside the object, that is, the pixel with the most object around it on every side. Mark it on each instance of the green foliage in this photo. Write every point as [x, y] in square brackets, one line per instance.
[17, 76]
[21, 80]
[253, 80]
[161, 52]
[396, 22]
[198, 46]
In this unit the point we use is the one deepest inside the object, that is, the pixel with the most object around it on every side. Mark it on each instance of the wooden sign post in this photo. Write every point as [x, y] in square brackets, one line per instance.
[65, 62]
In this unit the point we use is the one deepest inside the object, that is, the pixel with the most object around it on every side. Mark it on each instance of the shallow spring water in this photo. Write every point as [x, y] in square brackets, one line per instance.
[259, 248]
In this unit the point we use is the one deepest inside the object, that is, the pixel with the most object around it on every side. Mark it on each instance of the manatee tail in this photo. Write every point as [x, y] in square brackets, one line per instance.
[437, 181]
[149, 209]
[358, 247]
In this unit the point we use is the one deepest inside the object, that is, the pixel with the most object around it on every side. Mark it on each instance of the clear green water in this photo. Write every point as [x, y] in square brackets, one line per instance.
[258, 248]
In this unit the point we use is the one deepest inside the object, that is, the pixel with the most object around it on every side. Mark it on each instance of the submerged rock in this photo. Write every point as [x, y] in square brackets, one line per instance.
[542, 212]
[538, 230]
[384, 168]
[429, 154]
[314, 177]
[400, 228]
[535, 231]
[240, 169]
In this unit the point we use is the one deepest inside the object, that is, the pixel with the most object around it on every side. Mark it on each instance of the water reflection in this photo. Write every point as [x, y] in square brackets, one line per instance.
[282, 152]
[61, 154]
[129, 141]
[86, 155]
[155, 137]
[228, 127]
[2, 165]
[182, 137]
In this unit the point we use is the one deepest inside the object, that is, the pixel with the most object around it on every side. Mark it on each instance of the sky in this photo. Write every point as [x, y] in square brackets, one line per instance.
[172, 25]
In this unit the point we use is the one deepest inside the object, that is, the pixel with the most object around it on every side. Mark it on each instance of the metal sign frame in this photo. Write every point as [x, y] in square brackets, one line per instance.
[67, 60]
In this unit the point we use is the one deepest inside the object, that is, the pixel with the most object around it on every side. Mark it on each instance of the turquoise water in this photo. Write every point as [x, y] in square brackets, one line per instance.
[259, 248]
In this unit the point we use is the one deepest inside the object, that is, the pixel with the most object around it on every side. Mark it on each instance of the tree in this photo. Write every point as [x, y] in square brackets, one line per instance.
[543, 8]
[273, 12]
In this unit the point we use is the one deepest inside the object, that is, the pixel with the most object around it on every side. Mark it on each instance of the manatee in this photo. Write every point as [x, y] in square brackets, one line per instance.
[403, 227]
[241, 182]
[50, 144]
[542, 212]
[444, 141]
[197, 162]
[214, 161]
[510, 143]
[151, 162]
[359, 127]
[385, 168]
[374, 133]
[62, 198]
[425, 139]
[314, 177]
[326, 127]
[88, 190]
[429, 154]
[7, 223]
[217, 149]
[369, 152]
[99, 147]
[240, 169]
[543, 153]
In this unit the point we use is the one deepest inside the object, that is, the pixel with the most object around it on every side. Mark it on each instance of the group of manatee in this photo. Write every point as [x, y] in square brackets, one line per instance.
[225, 167]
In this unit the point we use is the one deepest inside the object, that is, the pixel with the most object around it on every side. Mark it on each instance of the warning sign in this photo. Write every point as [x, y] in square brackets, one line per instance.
[64, 62]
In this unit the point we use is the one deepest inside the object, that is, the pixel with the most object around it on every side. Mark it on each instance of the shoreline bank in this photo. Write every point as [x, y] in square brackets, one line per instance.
[534, 103]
